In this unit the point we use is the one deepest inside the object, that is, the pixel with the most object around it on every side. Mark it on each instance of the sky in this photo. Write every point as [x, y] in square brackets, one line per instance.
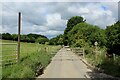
[50, 18]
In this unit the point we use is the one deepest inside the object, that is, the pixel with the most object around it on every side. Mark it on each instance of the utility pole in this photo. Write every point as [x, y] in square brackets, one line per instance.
[19, 25]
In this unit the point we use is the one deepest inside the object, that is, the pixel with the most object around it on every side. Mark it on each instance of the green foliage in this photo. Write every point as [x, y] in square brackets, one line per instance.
[6, 36]
[80, 43]
[58, 40]
[88, 50]
[81, 34]
[24, 38]
[14, 37]
[36, 36]
[46, 43]
[70, 24]
[42, 40]
[98, 59]
[113, 38]
[88, 33]
[0, 36]
[111, 67]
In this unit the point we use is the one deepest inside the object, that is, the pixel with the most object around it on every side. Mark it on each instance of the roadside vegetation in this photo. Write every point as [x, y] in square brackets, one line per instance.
[33, 57]
[105, 55]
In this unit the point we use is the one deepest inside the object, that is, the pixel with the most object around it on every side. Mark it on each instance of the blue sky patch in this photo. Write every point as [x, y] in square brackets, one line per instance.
[104, 8]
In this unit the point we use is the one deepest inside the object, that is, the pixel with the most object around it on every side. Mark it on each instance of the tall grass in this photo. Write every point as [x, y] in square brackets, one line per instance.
[98, 59]
[32, 57]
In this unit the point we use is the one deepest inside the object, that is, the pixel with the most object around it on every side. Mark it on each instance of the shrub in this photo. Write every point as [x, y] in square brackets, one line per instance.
[113, 38]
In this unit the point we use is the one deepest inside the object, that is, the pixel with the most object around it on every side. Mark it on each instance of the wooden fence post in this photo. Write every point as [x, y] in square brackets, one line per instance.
[83, 53]
[19, 24]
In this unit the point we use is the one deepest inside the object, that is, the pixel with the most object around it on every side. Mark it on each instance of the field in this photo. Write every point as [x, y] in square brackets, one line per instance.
[32, 56]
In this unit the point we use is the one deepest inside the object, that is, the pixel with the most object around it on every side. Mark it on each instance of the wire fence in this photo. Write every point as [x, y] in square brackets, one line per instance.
[9, 54]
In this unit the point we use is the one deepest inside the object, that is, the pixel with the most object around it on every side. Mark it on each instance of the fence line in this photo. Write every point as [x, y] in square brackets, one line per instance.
[8, 43]
[9, 57]
[79, 51]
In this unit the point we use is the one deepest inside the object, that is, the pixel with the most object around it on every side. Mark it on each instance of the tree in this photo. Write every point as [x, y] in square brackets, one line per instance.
[58, 40]
[70, 24]
[32, 39]
[113, 38]
[6, 36]
[36, 35]
[42, 40]
[0, 36]
[24, 38]
[84, 32]
[52, 41]
[14, 37]
[80, 43]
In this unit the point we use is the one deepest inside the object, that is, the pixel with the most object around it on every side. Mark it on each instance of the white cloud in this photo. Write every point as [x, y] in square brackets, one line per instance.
[54, 21]
[50, 19]
[80, 10]
[0, 28]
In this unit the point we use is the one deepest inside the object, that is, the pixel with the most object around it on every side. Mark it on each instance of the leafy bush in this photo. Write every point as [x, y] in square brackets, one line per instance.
[80, 43]
[88, 51]
[110, 67]
[42, 40]
[88, 33]
[113, 38]
[58, 40]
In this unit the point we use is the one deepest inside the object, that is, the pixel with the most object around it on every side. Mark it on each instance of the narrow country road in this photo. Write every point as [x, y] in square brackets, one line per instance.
[65, 64]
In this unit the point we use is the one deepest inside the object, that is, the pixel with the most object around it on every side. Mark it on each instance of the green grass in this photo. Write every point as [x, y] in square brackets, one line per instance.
[98, 59]
[108, 65]
[32, 56]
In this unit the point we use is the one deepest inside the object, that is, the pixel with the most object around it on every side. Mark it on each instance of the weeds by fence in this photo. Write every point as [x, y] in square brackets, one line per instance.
[98, 58]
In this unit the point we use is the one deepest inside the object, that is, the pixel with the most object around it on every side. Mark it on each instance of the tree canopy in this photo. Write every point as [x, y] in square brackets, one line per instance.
[70, 24]
[86, 33]
[113, 38]
[58, 40]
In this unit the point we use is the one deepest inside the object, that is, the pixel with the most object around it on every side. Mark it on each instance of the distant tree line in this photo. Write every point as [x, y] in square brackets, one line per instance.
[31, 38]
[58, 40]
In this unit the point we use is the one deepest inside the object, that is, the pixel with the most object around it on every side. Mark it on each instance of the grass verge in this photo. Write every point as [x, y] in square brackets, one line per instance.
[33, 56]
[98, 59]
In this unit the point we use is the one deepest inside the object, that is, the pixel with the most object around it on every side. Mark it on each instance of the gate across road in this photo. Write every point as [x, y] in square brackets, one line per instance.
[9, 53]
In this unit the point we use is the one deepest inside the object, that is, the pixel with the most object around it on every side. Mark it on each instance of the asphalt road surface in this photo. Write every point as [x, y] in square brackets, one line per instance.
[65, 64]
